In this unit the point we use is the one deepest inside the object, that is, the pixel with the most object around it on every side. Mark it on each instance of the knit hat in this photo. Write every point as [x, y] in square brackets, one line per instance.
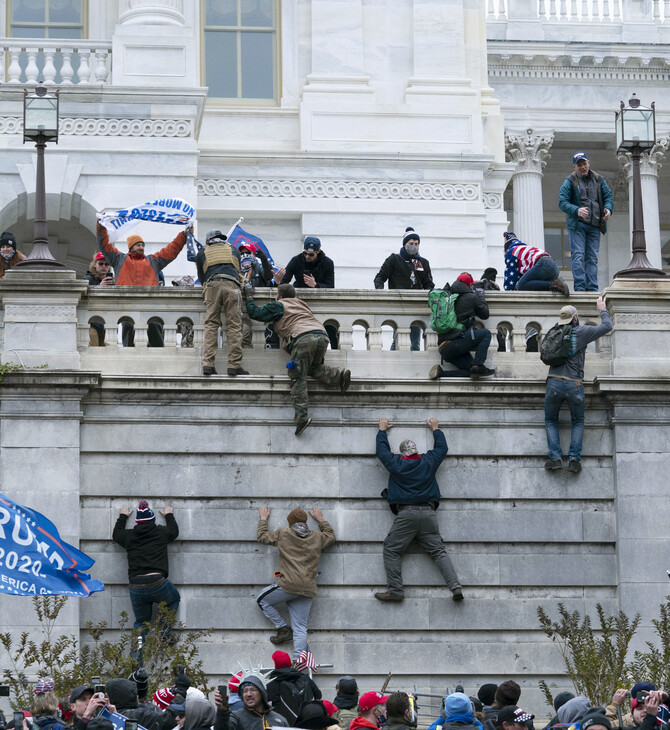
[371, 699]
[163, 697]
[513, 714]
[281, 659]
[234, 683]
[331, 709]
[561, 698]
[214, 235]
[490, 274]
[347, 685]
[297, 515]
[566, 314]
[408, 447]
[313, 715]
[595, 719]
[641, 686]
[465, 278]
[410, 234]
[508, 693]
[144, 512]
[487, 692]
[312, 242]
[44, 685]
[457, 703]
[132, 240]
[8, 239]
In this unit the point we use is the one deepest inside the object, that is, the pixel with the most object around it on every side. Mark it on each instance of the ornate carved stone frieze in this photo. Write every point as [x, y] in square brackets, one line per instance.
[40, 313]
[529, 149]
[492, 200]
[95, 127]
[337, 189]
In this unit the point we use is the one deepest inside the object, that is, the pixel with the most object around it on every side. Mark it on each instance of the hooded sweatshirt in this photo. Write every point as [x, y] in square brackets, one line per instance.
[146, 545]
[246, 719]
[200, 715]
[361, 722]
[573, 710]
[123, 694]
[292, 676]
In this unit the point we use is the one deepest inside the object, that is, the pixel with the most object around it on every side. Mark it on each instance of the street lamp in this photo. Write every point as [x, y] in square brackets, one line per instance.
[40, 125]
[635, 133]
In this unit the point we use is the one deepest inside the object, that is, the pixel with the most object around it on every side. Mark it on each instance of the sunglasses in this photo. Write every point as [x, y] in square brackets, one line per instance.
[310, 253]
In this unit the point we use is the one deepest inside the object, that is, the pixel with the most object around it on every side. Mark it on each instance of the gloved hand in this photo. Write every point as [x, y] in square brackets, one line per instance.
[249, 290]
[182, 682]
[141, 678]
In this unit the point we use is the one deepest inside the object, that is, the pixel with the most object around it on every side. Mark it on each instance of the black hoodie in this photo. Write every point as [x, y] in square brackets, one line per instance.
[123, 694]
[146, 544]
[469, 306]
[291, 676]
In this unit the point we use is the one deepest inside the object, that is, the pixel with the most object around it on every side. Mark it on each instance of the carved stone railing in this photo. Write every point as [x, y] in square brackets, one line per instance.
[578, 11]
[55, 61]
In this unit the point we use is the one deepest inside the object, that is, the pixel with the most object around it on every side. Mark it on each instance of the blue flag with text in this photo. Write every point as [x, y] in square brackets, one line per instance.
[238, 237]
[34, 561]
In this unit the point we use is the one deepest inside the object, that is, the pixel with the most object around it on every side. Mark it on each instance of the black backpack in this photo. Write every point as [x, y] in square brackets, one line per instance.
[556, 346]
[292, 694]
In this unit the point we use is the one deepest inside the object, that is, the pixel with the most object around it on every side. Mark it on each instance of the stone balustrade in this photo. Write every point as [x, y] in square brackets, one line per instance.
[55, 61]
[579, 11]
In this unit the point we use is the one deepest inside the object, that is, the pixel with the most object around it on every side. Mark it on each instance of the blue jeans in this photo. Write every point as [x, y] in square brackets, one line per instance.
[540, 277]
[457, 352]
[584, 247]
[143, 600]
[557, 392]
[415, 333]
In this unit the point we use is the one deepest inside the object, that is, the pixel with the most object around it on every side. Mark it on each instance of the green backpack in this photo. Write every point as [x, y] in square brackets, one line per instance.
[557, 345]
[443, 316]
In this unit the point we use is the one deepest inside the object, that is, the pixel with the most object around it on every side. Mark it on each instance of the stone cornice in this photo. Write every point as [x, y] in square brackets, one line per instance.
[594, 61]
[333, 189]
[105, 127]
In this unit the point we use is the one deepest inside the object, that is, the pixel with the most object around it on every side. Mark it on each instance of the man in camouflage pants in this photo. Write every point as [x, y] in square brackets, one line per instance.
[302, 335]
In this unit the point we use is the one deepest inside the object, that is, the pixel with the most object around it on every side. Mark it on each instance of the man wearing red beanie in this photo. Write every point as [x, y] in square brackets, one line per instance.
[288, 688]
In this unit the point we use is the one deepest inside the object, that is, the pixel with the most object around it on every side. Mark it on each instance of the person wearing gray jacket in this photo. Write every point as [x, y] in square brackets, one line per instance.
[256, 713]
[566, 383]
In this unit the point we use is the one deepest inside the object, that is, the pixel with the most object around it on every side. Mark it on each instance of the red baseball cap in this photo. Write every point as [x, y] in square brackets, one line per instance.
[370, 699]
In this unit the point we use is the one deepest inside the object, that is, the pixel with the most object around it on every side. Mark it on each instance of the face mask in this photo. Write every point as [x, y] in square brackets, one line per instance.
[6, 257]
[412, 249]
[412, 717]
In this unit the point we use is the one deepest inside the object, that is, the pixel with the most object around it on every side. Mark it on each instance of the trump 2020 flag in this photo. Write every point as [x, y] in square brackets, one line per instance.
[164, 210]
[238, 237]
[34, 561]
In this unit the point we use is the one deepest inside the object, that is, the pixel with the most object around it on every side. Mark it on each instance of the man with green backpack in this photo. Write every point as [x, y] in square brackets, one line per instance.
[454, 310]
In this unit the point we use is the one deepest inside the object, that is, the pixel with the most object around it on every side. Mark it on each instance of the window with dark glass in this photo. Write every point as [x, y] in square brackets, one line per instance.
[240, 42]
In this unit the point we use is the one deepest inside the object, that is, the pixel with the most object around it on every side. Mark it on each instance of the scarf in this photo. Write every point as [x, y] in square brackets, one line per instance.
[345, 702]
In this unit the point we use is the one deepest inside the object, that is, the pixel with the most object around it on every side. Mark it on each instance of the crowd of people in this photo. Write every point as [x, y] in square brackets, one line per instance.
[284, 696]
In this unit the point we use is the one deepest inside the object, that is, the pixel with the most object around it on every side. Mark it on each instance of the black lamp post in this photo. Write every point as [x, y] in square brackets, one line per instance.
[40, 125]
[635, 133]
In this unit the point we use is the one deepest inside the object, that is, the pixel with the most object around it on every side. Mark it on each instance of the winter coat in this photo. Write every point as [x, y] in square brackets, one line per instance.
[397, 723]
[298, 556]
[361, 722]
[344, 716]
[246, 719]
[146, 545]
[570, 199]
[401, 273]
[138, 272]
[48, 722]
[573, 367]
[4, 264]
[446, 725]
[123, 694]
[322, 269]
[200, 715]
[469, 306]
[412, 481]
[573, 710]
[289, 675]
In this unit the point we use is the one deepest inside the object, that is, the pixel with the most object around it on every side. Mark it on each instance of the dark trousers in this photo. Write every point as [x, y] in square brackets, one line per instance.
[143, 599]
[154, 334]
[457, 352]
[416, 523]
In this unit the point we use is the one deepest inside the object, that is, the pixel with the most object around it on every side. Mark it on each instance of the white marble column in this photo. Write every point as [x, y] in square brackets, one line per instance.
[650, 164]
[153, 12]
[530, 151]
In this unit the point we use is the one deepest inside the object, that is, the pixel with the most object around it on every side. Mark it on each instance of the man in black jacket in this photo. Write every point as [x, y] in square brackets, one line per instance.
[122, 693]
[288, 688]
[407, 270]
[455, 345]
[146, 546]
[256, 713]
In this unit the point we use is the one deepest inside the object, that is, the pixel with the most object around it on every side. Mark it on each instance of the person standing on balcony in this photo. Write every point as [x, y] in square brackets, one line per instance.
[587, 201]
[219, 271]
[530, 269]
[302, 335]
[295, 585]
[99, 274]
[136, 269]
[407, 270]
[413, 495]
[566, 383]
[314, 270]
[9, 256]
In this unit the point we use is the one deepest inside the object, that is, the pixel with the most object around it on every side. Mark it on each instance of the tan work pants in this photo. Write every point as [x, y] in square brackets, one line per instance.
[217, 294]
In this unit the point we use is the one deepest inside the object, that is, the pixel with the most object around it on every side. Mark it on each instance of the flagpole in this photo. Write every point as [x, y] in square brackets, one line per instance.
[232, 228]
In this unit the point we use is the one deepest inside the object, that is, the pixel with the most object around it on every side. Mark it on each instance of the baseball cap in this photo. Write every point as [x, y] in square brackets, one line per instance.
[370, 699]
[579, 156]
[566, 314]
[77, 692]
[408, 447]
[511, 713]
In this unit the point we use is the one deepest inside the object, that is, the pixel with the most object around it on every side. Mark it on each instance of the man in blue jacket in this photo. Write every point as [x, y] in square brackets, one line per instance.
[586, 200]
[414, 495]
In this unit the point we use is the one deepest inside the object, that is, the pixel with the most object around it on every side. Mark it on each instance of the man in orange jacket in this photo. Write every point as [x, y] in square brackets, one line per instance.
[136, 269]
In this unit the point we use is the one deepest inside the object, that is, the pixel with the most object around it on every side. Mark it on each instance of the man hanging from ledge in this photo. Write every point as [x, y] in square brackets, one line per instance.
[136, 269]
[302, 335]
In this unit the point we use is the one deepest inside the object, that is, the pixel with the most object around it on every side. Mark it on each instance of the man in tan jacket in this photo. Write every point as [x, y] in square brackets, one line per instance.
[295, 585]
[304, 337]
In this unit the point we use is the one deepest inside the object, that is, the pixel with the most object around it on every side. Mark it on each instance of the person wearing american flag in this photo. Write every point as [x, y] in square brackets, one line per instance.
[528, 268]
